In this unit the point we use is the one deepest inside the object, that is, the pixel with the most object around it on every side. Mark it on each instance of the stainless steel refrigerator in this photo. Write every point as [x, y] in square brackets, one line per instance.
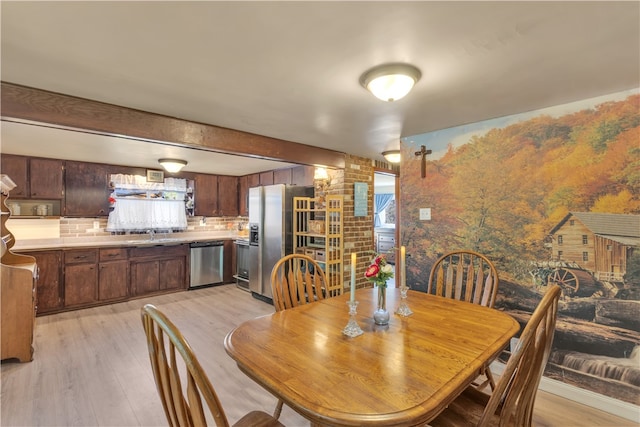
[270, 231]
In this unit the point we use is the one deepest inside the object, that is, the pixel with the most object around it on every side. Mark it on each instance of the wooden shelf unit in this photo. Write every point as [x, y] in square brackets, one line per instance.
[325, 245]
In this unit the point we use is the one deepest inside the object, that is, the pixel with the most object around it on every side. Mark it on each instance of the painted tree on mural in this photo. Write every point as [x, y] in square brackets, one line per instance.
[503, 191]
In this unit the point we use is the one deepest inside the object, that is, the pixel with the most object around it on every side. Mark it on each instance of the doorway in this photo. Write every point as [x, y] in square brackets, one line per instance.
[385, 215]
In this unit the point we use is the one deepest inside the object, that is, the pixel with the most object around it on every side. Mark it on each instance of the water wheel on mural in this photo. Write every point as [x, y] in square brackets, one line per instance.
[573, 282]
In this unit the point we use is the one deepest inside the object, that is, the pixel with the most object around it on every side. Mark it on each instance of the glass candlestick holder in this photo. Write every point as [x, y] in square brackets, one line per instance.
[403, 308]
[352, 329]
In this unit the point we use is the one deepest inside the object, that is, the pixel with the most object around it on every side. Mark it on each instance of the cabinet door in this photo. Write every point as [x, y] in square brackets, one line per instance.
[253, 180]
[229, 260]
[87, 192]
[302, 175]
[80, 284]
[282, 176]
[206, 195]
[243, 196]
[45, 178]
[173, 273]
[145, 277]
[16, 168]
[49, 295]
[227, 195]
[266, 178]
[113, 282]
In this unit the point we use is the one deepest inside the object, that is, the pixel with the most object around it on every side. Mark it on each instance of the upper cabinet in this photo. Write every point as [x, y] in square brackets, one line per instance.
[227, 195]
[206, 195]
[87, 186]
[35, 178]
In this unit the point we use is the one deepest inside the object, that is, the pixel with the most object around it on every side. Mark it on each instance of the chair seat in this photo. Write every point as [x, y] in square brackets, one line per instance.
[466, 410]
[258, 419]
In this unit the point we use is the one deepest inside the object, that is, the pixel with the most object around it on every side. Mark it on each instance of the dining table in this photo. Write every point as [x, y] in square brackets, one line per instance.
[401, 374]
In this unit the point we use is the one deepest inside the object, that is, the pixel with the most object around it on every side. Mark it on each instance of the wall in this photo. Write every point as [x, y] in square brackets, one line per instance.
[501, 186]
[26, 229]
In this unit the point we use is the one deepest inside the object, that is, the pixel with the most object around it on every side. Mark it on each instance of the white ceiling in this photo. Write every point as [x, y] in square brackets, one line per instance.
[290, 70]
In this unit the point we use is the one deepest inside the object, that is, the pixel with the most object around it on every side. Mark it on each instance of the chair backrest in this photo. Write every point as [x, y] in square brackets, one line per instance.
[297, 280]
[163, 339]
[516, 390]
[466, 276]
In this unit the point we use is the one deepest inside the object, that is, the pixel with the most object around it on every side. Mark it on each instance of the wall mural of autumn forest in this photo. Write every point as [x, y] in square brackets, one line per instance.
[551, 196]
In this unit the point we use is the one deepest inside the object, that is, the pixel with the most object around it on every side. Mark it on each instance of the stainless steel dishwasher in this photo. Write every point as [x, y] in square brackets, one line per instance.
[207, 261]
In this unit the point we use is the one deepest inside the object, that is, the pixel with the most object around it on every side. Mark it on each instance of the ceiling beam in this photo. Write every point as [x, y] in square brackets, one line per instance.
[65, 111]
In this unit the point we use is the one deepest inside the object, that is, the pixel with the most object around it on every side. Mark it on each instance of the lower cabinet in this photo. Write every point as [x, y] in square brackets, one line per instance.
[113, 274]
[49, 280]
[80, 277]
[158, 269]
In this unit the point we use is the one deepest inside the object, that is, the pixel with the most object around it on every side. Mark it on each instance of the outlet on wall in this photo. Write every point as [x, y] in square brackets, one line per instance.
[96, 225]
[425, 214]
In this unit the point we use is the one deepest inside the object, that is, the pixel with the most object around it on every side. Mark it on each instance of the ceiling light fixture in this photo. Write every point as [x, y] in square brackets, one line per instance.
[172, 165]
[392, 156]
[390, 82]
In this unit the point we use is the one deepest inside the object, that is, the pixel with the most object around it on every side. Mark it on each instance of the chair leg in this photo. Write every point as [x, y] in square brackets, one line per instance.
[489, 381]
[278, 411]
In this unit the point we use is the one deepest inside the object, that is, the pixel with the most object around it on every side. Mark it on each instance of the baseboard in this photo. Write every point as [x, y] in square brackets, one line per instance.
[600, 402]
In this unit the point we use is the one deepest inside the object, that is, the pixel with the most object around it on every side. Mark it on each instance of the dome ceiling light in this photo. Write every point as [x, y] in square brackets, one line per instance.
[390, 82]
[172, 165]
[392, 156]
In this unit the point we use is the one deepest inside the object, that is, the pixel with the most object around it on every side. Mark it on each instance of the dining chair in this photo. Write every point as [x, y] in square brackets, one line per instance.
[297, 279]
[467, 276]
[163, 340]
[512, 401]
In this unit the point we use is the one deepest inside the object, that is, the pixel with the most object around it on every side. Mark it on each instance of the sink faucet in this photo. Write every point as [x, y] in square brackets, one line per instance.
[152, 234]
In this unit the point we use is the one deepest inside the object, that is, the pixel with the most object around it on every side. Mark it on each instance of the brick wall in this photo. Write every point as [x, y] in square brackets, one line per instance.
[358, 231]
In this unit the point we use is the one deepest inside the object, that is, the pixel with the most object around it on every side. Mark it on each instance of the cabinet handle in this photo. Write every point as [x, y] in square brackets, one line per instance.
[80, 256]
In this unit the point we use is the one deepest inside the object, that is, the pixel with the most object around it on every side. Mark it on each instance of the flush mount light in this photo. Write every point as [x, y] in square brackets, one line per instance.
[390, 82]
[172, 165]
[392, 156]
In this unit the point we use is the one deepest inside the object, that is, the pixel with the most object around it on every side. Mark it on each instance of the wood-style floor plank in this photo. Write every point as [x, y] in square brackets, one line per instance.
[91, 367]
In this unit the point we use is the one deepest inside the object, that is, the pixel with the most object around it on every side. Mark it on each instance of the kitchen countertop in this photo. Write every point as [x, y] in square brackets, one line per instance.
[122, 240]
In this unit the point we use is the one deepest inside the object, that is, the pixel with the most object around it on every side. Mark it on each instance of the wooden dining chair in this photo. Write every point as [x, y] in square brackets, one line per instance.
[512, 401]
[163, 340]
[466, 276]
[297, 280]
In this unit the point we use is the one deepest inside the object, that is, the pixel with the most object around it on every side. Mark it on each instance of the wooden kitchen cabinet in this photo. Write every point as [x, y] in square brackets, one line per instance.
[266, 178]
[87, 189]
[229, 262]
[243, 196]
[302, 175]
[45, 178]
[16, 168]
[282, 176]
[80, 277]
[206, 195]
[113, 276]
[48, 289]
[35, 178]
[227, 195]
[158, 268]
[253, 180]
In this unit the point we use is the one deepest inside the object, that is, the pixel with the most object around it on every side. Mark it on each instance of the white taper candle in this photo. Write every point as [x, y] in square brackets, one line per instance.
[353, 277]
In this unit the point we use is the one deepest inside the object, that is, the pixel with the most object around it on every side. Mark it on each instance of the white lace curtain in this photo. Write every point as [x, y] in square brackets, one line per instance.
[146, 214]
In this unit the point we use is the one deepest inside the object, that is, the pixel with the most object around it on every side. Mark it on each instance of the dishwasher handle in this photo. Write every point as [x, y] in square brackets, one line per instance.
[206, 244]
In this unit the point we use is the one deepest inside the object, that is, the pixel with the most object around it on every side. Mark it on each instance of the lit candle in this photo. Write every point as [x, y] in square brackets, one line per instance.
[353, 277]
[403, 269]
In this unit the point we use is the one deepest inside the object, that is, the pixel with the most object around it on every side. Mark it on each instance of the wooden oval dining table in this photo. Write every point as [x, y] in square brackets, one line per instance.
[401, 374]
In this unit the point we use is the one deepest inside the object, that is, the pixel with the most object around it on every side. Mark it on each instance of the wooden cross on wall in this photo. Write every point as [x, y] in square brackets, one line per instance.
[423, 152]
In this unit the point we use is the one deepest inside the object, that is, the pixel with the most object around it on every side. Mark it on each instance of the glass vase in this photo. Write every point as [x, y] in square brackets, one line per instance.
[381, 315]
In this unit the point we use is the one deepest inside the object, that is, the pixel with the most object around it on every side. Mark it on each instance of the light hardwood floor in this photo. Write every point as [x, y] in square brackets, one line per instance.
[91, 367]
